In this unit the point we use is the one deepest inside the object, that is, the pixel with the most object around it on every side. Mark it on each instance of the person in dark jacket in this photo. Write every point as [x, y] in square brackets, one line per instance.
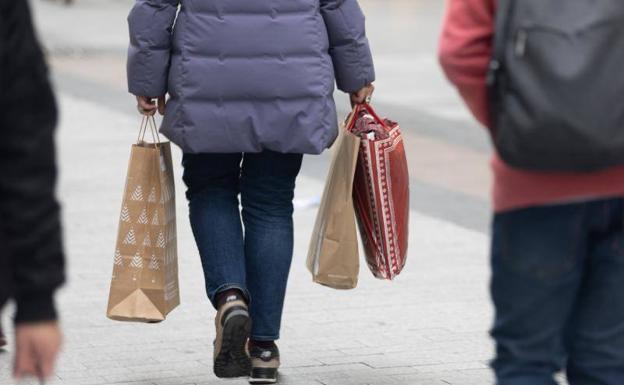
[31, 256]
[250, 86]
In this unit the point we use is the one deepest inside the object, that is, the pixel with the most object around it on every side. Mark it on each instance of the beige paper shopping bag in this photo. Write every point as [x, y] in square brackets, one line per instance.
[333, 257]
[144, 287]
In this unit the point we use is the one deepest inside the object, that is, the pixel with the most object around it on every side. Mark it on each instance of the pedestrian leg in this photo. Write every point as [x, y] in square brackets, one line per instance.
[536, 274]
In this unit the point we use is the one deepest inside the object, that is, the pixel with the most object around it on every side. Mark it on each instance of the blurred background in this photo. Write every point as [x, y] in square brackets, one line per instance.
[427, 327]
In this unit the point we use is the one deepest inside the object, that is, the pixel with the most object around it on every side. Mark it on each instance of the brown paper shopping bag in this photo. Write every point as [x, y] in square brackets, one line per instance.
[144, 287]
[333, 257]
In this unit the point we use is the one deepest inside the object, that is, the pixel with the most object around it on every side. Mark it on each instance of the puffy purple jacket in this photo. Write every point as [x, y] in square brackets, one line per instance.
[248, 75]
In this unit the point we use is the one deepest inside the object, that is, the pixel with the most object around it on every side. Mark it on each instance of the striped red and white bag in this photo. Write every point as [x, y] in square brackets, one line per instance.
[381, 192]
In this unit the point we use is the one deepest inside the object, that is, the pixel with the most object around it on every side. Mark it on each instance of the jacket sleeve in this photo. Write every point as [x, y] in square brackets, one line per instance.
[465, 50]
[151, 24]
[349, 47]
[29, 213]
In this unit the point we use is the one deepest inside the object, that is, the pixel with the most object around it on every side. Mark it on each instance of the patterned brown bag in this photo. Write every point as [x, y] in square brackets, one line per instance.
[144, 287]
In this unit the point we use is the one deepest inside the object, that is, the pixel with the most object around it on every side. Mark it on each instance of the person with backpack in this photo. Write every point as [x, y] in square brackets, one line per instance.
[250, 90]
[546, 79]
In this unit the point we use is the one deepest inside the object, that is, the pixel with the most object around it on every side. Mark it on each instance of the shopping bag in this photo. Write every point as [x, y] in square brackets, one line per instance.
[333, 257]
[381, 193]
[144, 286]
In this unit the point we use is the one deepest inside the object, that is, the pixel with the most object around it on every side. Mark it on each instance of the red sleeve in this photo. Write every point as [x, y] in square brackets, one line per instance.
[465, 50]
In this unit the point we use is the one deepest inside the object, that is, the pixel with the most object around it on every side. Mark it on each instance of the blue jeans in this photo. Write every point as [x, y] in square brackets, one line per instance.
[558, 290]
[255, 260]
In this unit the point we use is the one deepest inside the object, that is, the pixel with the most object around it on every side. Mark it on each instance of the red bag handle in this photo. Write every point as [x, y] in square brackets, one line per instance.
[356, 111]
[350, 124]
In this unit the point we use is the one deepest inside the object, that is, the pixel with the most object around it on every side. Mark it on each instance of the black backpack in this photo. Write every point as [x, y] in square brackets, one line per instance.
[556, 84]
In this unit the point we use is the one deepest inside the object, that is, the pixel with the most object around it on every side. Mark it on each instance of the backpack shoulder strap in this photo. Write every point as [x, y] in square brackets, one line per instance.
[504, 12]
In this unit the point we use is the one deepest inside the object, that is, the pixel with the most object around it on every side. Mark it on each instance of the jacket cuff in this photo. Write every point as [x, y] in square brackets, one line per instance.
[147, 71]
[35, 307]
[353, 66]
[349, 84]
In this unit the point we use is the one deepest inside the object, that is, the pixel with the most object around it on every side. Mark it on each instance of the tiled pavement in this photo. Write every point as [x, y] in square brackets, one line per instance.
[428, 327]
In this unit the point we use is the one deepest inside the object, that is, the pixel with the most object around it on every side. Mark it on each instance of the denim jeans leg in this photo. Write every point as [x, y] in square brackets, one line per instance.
[267, 190]
[213, 187]
[536, 274]
[596, 339]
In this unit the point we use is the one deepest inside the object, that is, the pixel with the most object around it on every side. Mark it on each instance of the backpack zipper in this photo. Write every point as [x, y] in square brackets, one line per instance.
[521, 42]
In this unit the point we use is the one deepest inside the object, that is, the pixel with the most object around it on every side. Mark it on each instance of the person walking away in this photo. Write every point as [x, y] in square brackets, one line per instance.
[31, 256]
[555, 114]
[250, 87]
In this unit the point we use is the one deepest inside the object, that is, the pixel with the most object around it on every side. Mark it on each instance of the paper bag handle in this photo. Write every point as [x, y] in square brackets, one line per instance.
[151, 122]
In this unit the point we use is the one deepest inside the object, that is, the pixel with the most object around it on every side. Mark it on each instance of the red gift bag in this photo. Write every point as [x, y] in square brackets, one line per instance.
[381, 192]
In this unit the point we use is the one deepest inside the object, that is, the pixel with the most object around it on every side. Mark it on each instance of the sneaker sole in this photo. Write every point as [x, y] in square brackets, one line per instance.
[263, 376]
[233, 361]
[258, 381]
